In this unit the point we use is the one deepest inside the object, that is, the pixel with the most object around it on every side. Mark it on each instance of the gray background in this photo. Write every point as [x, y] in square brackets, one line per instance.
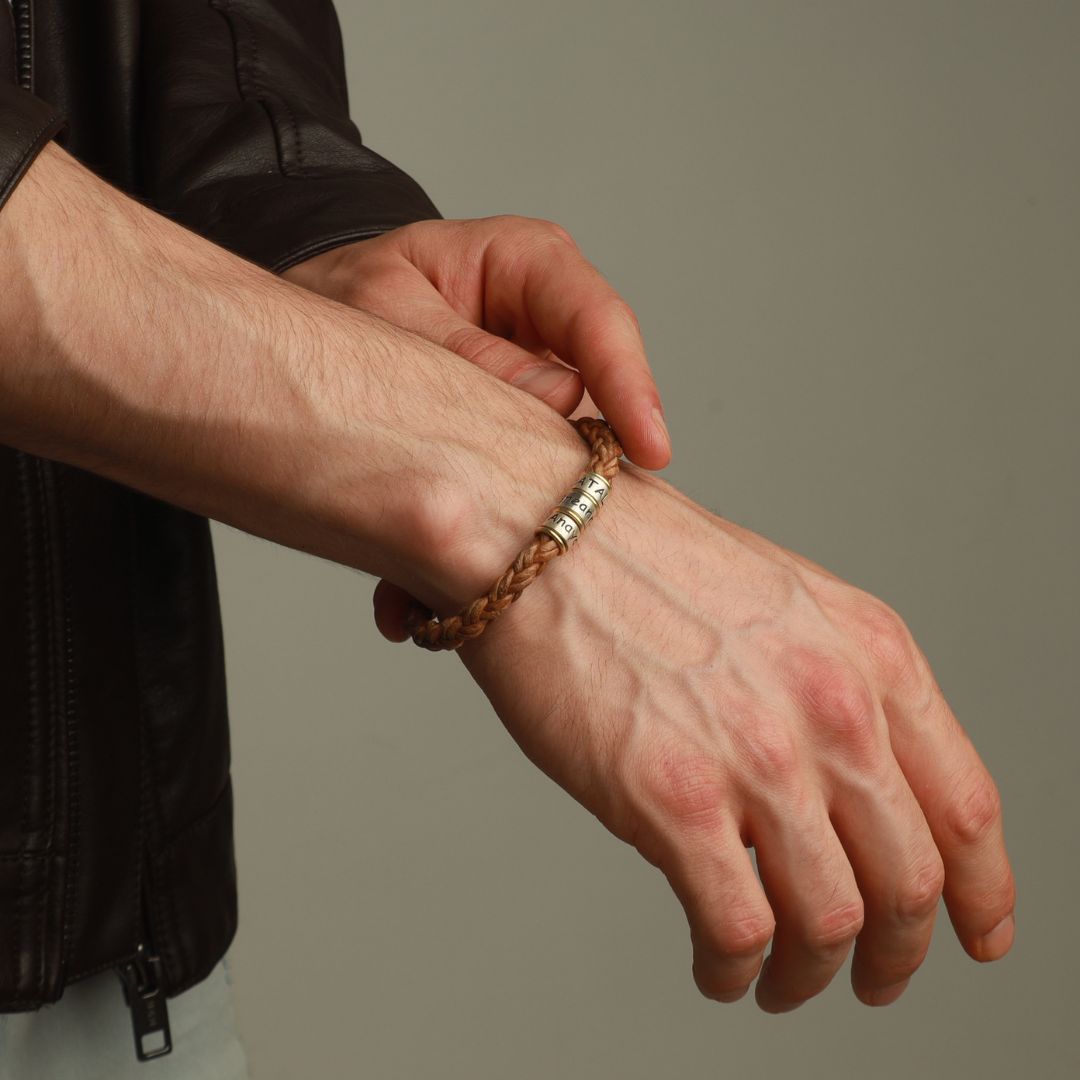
[850, 231]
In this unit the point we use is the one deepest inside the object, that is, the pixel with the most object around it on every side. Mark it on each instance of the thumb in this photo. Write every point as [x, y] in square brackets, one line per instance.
[391, 606]
[541, 375]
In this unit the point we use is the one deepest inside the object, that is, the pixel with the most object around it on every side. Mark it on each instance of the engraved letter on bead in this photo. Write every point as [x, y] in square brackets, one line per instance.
[579, 506]
[592, 483]
[562, 527]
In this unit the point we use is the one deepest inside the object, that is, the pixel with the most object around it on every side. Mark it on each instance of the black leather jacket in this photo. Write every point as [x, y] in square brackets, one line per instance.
[116, 846]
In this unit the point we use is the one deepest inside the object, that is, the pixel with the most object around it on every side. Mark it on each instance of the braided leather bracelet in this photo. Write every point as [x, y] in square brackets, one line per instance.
[553, 538]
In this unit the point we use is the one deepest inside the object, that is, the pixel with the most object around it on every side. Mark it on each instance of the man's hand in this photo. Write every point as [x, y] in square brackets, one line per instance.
[695, 686]
[702, 690]
[698, 688]
[514, 296]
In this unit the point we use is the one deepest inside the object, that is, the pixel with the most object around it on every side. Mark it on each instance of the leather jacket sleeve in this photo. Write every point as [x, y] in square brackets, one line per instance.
[246, 132]
[27, 123]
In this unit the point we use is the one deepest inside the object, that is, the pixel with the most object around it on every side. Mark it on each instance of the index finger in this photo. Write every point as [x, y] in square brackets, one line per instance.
[576, 313]
[962, 806]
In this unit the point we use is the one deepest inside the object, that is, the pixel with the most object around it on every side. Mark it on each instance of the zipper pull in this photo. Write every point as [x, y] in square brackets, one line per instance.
[141, 979]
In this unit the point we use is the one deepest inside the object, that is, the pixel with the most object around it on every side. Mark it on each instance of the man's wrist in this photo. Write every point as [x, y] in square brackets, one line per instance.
[497, 483]
[151, 356]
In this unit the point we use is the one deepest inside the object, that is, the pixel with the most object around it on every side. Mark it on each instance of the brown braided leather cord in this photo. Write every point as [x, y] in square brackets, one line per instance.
[452, 632]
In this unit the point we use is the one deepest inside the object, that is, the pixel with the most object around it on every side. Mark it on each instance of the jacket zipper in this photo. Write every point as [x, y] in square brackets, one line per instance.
[145, 997]
[23, 43]
[142, 979]
[142, 975]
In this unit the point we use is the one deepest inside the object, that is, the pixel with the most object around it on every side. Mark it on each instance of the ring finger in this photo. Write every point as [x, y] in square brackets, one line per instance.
[814, 896]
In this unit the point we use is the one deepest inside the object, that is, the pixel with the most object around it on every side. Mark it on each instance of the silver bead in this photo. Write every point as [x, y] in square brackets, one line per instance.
[580, 505]
[592, 483]
[561, 527]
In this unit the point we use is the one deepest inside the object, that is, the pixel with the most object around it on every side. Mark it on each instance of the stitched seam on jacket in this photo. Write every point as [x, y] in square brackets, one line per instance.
[50, 729]
[253, 87]
[71, 731]
[142, 874]
[33, 710]
[267, 97]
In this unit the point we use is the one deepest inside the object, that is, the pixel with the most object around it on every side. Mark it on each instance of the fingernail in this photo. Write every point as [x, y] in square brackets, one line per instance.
[660, 425]
[992, 946]
[542, 381]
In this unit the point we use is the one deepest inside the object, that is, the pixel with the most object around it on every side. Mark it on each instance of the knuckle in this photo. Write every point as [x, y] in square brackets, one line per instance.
[839, 701]
[686, 788]
[554, 231]
[532, 233]
[917, 898]
[504, 222]
[620, 309]
[592, 323]
[514, 239]
[769, 752]
[975, 811]
[835, 928]
[889, 643]
[742, 937]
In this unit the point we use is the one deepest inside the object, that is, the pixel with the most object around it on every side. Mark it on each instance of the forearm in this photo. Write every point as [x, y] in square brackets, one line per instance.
[133, 348]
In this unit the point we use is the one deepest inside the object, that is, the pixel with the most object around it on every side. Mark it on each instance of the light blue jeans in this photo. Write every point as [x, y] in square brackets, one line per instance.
[87, 1035]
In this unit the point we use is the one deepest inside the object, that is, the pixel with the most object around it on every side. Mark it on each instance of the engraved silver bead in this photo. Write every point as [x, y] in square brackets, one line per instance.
[580, 505]
[592, 483]
[562, 527]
